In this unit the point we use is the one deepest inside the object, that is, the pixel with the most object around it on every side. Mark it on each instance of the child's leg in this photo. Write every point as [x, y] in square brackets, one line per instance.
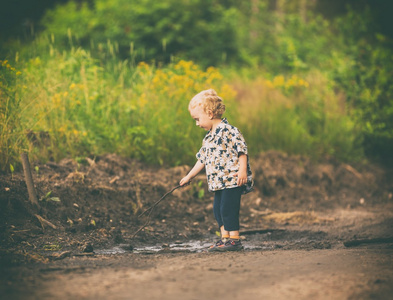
[217, 215]
[230, 208]
[226, 210]
[235, 235]
[224, 234]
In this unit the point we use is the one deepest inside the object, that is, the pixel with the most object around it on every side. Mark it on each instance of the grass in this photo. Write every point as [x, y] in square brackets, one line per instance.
[69, 104]
[299, 115]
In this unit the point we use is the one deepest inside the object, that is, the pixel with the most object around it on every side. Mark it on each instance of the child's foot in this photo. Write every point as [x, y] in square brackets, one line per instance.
[212, 248]
[230, 245]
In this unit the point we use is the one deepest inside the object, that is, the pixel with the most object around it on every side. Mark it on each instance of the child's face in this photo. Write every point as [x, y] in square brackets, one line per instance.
[202, 119]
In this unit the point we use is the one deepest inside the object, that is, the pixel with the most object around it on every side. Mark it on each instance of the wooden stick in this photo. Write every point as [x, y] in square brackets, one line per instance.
[29, 179]
[150, 209]
[45, 222]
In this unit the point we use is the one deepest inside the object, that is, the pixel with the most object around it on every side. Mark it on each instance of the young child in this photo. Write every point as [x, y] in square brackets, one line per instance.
[224, 156]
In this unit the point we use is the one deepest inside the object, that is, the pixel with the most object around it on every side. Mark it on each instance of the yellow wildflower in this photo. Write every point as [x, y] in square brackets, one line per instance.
[269, 84]
[302, 82]
[143, 65]
[278, 81]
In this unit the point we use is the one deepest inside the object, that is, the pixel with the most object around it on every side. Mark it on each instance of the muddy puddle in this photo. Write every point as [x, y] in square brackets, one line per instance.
[269, 240]
[189, 246]
[186, 247]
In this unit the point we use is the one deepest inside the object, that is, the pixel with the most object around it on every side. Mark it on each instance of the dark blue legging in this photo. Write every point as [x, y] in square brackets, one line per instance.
[226, 208]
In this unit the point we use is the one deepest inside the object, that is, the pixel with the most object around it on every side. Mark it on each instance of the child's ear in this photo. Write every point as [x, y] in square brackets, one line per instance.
[210, 114]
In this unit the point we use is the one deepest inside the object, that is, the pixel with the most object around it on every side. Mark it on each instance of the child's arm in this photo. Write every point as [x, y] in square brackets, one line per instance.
[242, 174]
[194, 172]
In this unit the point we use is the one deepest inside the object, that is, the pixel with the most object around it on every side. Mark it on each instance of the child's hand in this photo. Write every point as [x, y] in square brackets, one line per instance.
[242, 173]
[241, 177]
[184, 180]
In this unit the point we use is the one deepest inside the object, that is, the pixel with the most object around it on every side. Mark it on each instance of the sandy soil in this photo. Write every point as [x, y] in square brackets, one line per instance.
[294, 274]
[310, 231]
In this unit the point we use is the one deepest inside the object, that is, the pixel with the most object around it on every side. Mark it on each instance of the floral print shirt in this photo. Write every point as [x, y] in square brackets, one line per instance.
[220, 155]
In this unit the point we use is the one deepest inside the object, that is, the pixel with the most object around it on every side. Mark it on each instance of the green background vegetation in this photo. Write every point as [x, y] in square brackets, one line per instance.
[92, 77]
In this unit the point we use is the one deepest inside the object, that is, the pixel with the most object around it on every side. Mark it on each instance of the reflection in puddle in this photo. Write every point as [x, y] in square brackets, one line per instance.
[189, 246]
[115, 250]
[260, 240]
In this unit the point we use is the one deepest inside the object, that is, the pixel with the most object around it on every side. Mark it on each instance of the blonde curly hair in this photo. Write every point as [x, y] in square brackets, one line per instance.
[209, 101]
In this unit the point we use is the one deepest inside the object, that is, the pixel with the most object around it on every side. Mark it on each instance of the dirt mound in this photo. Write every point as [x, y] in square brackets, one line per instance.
[291, 183]
[97, 201]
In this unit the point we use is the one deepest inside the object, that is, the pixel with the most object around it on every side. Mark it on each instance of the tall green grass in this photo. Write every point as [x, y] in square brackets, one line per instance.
[69, 104]
[299, 116]
[11, 139]
[74, 105]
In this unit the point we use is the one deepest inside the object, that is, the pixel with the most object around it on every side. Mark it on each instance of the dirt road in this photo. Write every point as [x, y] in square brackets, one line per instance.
[286, 274]
[292, 261]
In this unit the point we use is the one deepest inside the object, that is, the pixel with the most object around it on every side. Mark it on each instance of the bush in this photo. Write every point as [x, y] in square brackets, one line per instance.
[365, 72]
[149, 30]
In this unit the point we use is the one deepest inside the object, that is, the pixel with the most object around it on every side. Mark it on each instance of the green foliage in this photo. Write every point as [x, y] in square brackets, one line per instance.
[55, 246]
[84, 106]
[12, 169]
[287, 44]
[48, 198]
[148, 30]
[197, 189]
[292, 82]
[11, 135]
[365, 72]
[88, 107]
[299, 116]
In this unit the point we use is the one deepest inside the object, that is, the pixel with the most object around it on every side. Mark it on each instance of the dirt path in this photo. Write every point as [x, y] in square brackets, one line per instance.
[311, 231]
[318, 274]
[291, 261]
